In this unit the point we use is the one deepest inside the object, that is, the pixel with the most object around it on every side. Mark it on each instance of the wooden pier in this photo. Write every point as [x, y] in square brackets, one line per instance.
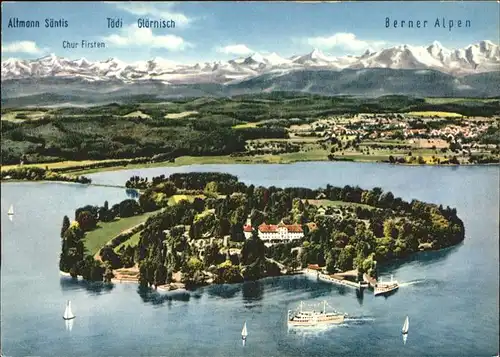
[371, 281]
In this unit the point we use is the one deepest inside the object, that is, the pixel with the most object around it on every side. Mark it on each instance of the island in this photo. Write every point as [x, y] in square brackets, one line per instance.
[190, 229]
[276, 127]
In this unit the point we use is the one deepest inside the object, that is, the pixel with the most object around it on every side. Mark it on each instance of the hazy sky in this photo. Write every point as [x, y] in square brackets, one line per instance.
[207, 31]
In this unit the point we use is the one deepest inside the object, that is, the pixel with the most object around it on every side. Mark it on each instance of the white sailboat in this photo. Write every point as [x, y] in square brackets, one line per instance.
[244, 333]
[404, 330]
[406, 326]
[68, 314]
[11, 210]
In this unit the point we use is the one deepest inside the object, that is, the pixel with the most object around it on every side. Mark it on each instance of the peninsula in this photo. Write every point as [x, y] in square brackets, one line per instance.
[198, 228]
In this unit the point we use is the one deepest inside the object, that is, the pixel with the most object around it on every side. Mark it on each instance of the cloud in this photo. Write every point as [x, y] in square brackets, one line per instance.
[344, 41]
[235, 50]
[158, 10]
[21, 47]
[133, 36]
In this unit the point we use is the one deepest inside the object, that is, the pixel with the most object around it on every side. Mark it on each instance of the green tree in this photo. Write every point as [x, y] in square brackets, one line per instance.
[346, 258]
[211, 187]
[86, 221]
[198, 204]
[193, 272]
[341, 239]
[127, 256]
[168, 188]
[228, 273]
[294, 263]
[72, 250]
[91, 269]
[253, 249]
[390, 229]
[386, 199]
[129, 208]
[160, 274]
[109, 256]
[104, 213]
[108, 273]
[212, 255]
[147, 201]
[330, 262]
[65, 225]
[146, 272]
[257, 218]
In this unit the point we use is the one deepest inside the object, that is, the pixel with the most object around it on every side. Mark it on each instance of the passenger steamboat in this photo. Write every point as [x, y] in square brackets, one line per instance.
[382, 288]
[302, 317]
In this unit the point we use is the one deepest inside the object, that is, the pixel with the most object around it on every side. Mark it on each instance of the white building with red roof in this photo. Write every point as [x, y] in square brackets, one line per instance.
[276, 233]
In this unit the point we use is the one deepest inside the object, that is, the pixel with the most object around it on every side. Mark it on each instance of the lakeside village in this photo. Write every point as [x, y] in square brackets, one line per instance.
[191, 229]
[433, 137]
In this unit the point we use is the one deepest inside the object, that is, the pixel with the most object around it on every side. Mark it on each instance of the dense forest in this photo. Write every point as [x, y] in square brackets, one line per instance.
[195, 127]
[355, 228]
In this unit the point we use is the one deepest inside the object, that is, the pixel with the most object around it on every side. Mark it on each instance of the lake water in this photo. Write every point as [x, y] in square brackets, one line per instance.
[451, 296]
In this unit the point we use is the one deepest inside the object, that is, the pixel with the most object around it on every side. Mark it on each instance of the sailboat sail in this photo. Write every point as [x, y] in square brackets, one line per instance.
[244, 333]
[68, 314]
[11, 210]
[406, 326]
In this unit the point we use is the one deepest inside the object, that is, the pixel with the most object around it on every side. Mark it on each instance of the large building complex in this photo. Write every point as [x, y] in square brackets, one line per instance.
[273, 234]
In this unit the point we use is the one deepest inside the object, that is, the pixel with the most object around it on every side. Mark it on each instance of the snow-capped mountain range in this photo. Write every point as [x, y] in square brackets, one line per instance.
[473, 59]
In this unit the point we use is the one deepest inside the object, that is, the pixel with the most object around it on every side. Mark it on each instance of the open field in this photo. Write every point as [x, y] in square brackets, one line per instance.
[180, 115]
[58, 165]
[22, 115]
[175, 199]
[329, 203]
[425, 143]
[292, 139]
[460, 100]
[105, 231]
[245, 125]
[204, 213]
[137, 114]
[132, 241]
[436, 114]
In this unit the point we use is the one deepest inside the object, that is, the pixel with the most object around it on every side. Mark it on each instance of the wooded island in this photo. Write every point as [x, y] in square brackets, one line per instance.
[210, 227]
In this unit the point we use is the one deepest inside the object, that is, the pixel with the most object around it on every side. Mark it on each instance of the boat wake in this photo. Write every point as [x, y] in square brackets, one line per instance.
[311, 330]
[412, 282]
[427, 282]
[358, 320]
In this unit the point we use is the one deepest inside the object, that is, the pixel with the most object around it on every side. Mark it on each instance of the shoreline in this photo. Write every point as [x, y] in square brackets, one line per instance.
[67, 182]
[129, 281]
[174, 286]
[333, 278]
[76, 171]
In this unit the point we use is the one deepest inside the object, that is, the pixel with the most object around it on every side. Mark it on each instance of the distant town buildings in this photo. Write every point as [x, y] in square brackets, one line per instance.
[388, 126]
